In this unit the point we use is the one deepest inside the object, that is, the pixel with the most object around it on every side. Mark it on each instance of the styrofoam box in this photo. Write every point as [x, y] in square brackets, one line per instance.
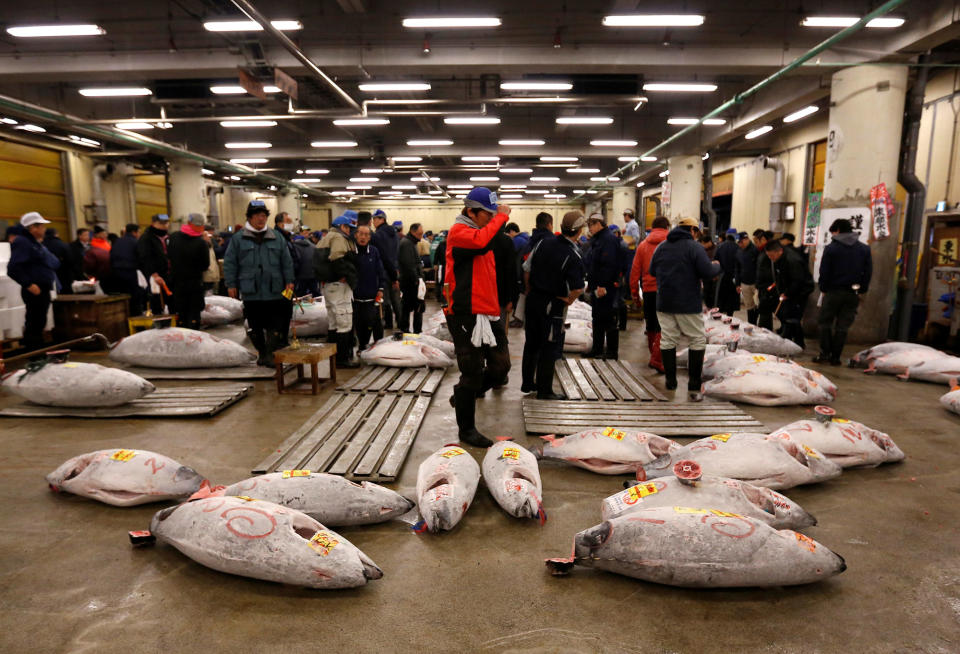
[9, 293]
[4, 257]
[11, 320]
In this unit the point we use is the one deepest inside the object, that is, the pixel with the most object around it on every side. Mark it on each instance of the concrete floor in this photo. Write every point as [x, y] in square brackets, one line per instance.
[72, 583]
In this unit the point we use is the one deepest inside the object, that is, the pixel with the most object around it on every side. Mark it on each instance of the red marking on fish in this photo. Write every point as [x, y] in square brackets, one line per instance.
[251, 522]
[727, 528]
[650, 520]
[704, 446]
[153, 462]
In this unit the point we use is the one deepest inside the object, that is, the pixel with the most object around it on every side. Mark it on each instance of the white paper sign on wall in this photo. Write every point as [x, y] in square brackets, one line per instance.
[860, 217]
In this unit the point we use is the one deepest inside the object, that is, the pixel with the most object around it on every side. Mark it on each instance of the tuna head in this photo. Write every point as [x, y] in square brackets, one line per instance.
[785, 511]
[885, 443]
[821, 467]
[442, 507]
[520, 498]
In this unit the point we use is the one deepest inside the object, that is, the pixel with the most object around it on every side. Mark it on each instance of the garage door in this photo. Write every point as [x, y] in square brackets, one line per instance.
[150, 195]
[31, 179]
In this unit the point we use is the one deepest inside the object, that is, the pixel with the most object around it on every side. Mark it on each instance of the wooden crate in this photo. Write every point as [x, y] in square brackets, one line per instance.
[76, 316]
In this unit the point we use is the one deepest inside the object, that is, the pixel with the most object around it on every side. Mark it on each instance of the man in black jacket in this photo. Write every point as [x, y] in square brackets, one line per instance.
[410, 272]
[745, 275]
[189, 258]
[124, 265]
[508, 274]
[387, 242]
[59, 249]
[543, 228]
[845, 272]
[78, 249]
[33, 267]
[766, 280]
[153, 259]
[728, 301]
[604, 265]
[794, 283]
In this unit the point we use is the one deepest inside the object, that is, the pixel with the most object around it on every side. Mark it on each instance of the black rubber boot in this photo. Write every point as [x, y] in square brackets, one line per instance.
[465, 404]
[826, 346]
[274, 341]
[345, 358]
[670, 368]
[259, 342]
[839, 340]
[613, 344]
[695, 380]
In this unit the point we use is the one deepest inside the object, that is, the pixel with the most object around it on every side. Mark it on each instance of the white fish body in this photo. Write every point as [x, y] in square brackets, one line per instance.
[578, 335]
[329, 499]
[608, 450]
[511, 474]
[125, 477]
[220, 310]
[262, 540]
[77, 385]
[177, 347]
[847, 443]
[936, 371]
[405, 354]
[899, 361]
[446, 483]
[426, 339]
[951, 400]
[765, 387]
[310, 319]
[864, 357]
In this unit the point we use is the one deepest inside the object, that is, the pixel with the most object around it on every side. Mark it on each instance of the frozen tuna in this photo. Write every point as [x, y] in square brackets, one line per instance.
[776, 463]
[426, 339]
[77, 385]
[220, 310]
[310, 319]
[446, 483]
[863, 358]
[329, 499]
[177, 347]
[263, 540]
[405, 354]
[578, 335]
[847, 443]
[757, 502]
[513, 478]
[125, 477]
[608, 450]
[769, 386]
[701, 548]
[723, 330]
[951, 400]
[899, 361]
[936, 371]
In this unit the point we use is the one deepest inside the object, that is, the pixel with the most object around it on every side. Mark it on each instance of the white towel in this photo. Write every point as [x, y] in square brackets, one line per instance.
[482, 333]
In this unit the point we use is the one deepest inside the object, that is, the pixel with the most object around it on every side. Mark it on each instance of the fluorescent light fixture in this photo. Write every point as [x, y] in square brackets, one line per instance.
[648, 159]
[654, 20]
[268, 88]
[602, 143]
[535, 86]
[484, 179]
[518, 142]
[434, 192]
[375, 171]
[82, 140]
[460, 197]
[333, 144]
[163, 125]
[239, 90]
[207, 171]
[847, 21]
[428, 142]
[583, 171]
[760, 131]
[465, 159]
[604, 179]
[305, 180]
[8, 121]
[410, 159]
[249, 161]
[544, 179]
[471, 120]
[250, 25]
[803, 113]
[579, 190]
[555, 196]
[628, 159]
[511, 196]
[532, 100]
[34, 31]
[693, 121]
[386, 193]
[360, 187]
[421, 178]
[134, 126]
[406, 187]
[536, 191]
[452, 21]
[584, 120]
[680, 87]
[250, 145]
[362, 180]
[28, 127]
[248, 123]
[592, 192]
[360, 122]
[316, 171]
[664, 173]
[115, 92]
[613, 179]
[343, 193]
[640, 184]
[374, 87]
[520, 171]
[234, 178]
[458, 186]
[559, 159]
[513, 186]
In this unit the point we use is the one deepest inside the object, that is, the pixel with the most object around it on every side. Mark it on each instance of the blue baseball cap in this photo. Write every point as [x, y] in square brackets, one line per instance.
[614, 228]
[379, 213]
[481, 198]
[351, 216]
[341, 220]
[398, 223]
[732, 230]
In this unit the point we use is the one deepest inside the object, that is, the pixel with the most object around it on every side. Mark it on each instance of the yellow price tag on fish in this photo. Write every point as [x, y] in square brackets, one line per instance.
[323, 543]
[636, 493]
[615, 434]
[759, 358]
[841, 421]
[721, 437]
[123, 455]
[69, 365]
[410, 337]
[452, 452]
[245, 498]
[294, 473]
[408, 342]
[806, 541]
[687, 509]
[510, 453]
[812, 452]
[725, 514]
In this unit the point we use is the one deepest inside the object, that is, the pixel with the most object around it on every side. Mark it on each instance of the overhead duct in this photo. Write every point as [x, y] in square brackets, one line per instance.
[779, 194]
[100, 173]
[213, 212]
[708, 196]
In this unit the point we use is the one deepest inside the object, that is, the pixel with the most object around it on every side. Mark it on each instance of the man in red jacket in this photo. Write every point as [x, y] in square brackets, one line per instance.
[473, 308]
[641, 272]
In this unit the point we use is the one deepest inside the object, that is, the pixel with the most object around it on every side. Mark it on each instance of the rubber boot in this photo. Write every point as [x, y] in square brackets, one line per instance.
[669, 357]
[256, 337]
[613, 343]
[826, 346]
[653, 344]
[596, 350]
[695, 379]
[839, 340]
[752, 316]
[274, 341]
[465, 405]
[345, 358]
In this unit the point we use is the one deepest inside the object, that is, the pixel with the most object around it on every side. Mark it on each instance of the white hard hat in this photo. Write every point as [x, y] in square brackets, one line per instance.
[32, 218]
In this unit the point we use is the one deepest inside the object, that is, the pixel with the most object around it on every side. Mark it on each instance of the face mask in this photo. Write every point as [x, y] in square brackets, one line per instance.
[287, 227]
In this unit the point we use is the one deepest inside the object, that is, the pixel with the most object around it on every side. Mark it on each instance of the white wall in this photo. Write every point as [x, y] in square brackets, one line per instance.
[935, 166]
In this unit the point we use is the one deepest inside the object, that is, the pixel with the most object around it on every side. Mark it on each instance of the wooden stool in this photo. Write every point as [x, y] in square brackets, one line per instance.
[139, 323]
[306, 353]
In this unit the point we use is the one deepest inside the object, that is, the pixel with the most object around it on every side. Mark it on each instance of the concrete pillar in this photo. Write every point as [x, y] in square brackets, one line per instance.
[289, 200]
[686, 181]
[624, 197]
[863, 149]
[187, 192]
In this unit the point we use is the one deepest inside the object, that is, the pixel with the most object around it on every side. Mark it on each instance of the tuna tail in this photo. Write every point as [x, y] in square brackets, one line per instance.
[562, 566]
[541, 514]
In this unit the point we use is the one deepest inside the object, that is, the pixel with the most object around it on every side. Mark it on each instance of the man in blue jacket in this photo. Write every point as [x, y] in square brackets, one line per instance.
[845, 271]
[680, 265]
[34, 267]
[387, 242]
[604, 266]
[368, 296]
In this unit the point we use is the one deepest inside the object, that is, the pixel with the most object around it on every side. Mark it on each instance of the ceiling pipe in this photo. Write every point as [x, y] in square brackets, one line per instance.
[253, 14]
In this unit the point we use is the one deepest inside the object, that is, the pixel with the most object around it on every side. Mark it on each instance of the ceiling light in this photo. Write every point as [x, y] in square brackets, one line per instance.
[592, 192]
[544, 179]
[249, 161]
[555, 196]
[512, 186]
[373, 87]
[248, 123]
[421, 178]
[358, 122]
[640, 184]
[536, 86]
[8, 121]
[206, 171]
[27, 127]
[305, 180]
[333, 144]
[434, 192]
[479, 159]
[234, 178]
[604, 179]
[33, 31]
[406, 187]
[440, 22]
[82, 140]
[521, 171]
[558, 158]
[484, 179]
[664, 173]
[536, 191]
[252, 145]
[428, 142]
[250, 25]
[682, 87]
[361, 180]
[694, 121]
[375, 171]
[359, 187]
[509, 142]
[613, 179]
[511, 196]
[315, 171]
[343, 193]
[628, 159]
[847, 21]
[460, 197]
[526, 100]
[115, 92]
[654, 20]
[268, 88]
[583, 171]
[386, 193]
[134, 125]
[648, 159]
[601, 143]
[412, 159]
[579, 190]
[471, 120]
[584, 120]
[797, 115]
[460, 186]
[760, 131]
[239, 90]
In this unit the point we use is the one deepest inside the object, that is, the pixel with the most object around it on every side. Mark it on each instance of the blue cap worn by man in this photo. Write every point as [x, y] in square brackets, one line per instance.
[380, 213]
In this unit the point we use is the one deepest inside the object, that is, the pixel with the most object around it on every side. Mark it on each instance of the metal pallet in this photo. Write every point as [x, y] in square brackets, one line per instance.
[362, 436]
[662, 418]
[251, 371]
[384, 379]
[162, 403]
[607, 381]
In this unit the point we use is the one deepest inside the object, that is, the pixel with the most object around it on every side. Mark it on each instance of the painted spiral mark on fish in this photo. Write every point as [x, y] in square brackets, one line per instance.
[213, 505]
[257, 527]
[247, 484]
[732, 526]
[703, 446]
